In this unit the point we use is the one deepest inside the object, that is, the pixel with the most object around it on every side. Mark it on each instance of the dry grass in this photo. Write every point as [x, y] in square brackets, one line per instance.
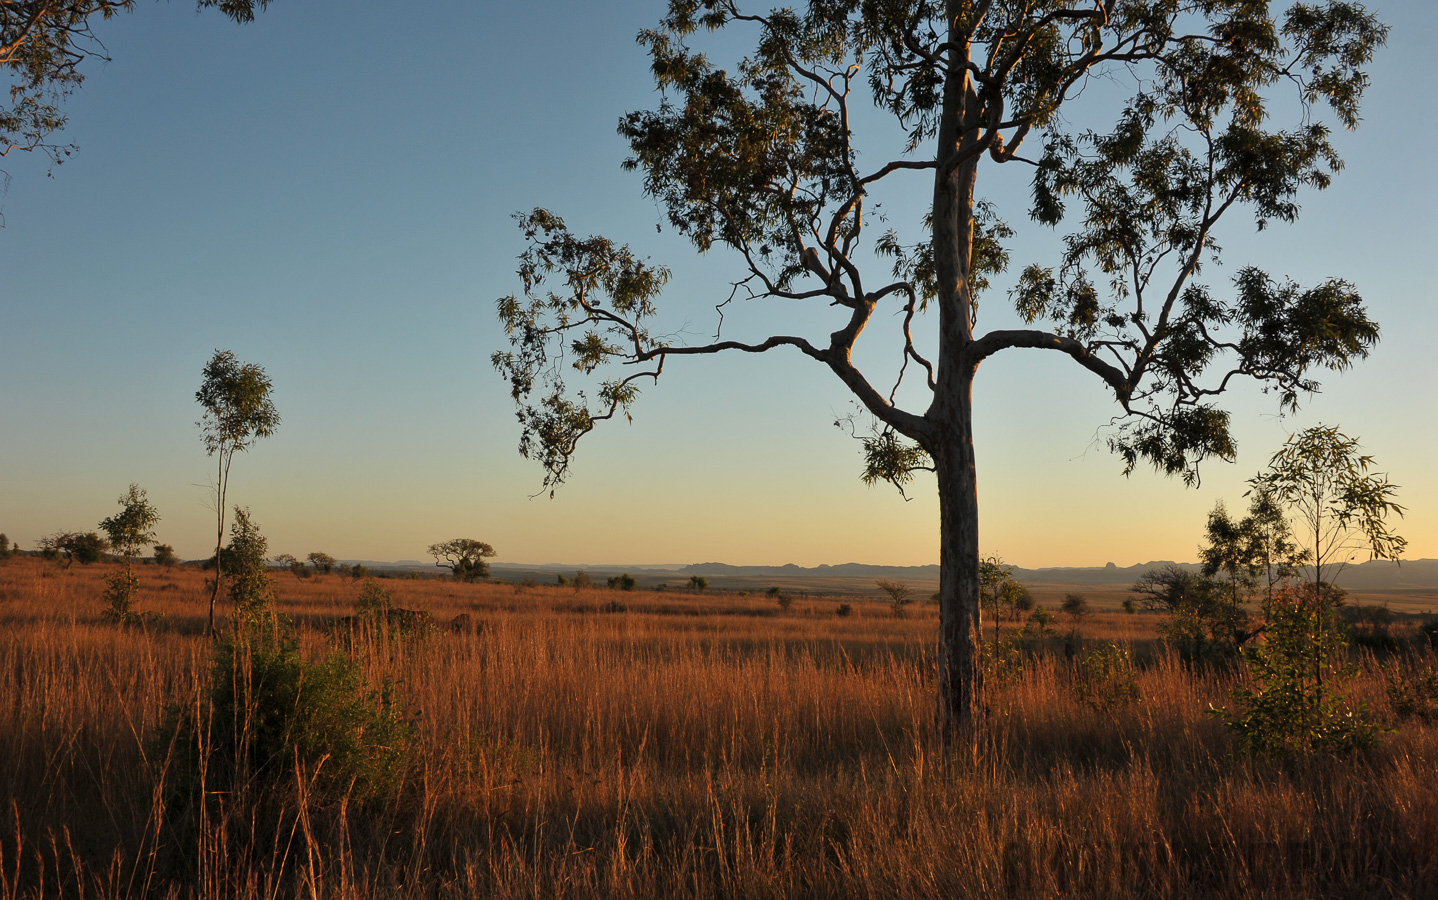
[690, 745]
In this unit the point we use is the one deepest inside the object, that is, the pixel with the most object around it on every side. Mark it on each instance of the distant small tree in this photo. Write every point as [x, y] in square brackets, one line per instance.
[1271, 537]
[465, 557]
[4, 546]
[293, 563]
[899, 593]
[74, 546]
[324, 563]
[623, 582]
[1168, 587]
[129, 531]
[698, 583]
[582, 581]
[238, 412]
[1229, 555]
[561, 580]
[1076, 607]
[999, 593]
[165, 555]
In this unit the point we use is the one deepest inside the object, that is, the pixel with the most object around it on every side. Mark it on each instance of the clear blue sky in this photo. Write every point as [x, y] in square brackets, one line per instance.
[329, 196]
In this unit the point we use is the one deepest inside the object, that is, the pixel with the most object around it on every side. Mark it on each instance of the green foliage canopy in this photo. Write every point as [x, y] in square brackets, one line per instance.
[1341, 506]
[133, 526]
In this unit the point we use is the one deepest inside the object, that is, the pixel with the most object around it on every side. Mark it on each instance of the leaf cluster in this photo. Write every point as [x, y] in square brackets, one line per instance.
[42, 46]
[598, 316]
[237, 403]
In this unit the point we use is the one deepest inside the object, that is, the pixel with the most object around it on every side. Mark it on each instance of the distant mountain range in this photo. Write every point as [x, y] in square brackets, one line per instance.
[1416, 574]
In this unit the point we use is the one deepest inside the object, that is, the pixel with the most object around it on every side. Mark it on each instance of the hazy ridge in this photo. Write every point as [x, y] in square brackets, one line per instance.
[1417, 574]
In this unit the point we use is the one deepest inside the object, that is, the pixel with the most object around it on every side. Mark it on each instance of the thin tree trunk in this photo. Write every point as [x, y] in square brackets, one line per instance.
[219, 535]
[961, 676]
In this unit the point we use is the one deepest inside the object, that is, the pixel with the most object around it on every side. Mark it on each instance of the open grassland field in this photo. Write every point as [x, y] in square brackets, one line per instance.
[599, 743]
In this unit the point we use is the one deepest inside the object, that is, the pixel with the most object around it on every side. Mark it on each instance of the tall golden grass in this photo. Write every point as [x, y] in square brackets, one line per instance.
[686, 745]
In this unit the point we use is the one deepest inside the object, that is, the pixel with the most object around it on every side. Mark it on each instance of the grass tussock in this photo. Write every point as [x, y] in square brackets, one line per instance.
[689, 746]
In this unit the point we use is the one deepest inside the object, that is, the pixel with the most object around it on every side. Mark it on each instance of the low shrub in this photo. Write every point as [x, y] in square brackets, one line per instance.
[1104, 678]
[269, 709]
[1295, 703]
[120, 590]
[1003, 662]
[375, 612]
[1412, 694]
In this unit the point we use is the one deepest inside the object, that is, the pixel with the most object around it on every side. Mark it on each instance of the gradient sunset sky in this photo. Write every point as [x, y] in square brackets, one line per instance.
[329, 194]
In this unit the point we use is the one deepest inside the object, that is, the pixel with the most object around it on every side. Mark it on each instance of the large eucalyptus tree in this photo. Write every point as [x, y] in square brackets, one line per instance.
[760, 158]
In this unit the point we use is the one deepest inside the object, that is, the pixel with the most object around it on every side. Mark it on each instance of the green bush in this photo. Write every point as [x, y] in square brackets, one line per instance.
[1003, 662]
[623, 582]
[248, 573]
[1104, 678]
[269, 708]
[1295, 703]
[120, 599]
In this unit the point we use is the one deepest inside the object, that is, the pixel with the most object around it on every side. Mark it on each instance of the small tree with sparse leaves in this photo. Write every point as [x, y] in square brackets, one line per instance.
[129, 531]
[238, 412]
